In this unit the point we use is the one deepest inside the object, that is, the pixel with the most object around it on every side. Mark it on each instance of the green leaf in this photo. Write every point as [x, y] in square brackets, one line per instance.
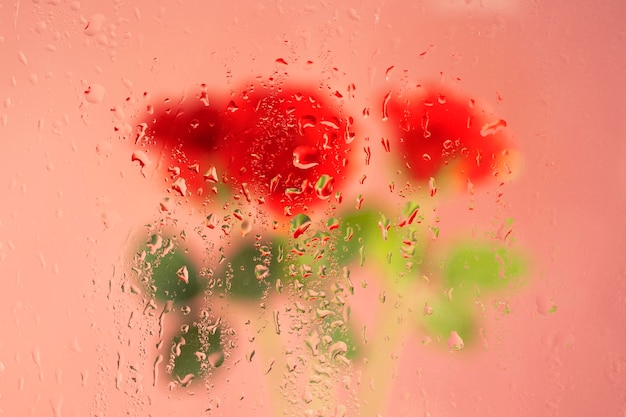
[252, 270]
[346, 334]
[173, 275]
[451, 316]
[365, 237]
[350, 236]
[487, 265]
[199, 351]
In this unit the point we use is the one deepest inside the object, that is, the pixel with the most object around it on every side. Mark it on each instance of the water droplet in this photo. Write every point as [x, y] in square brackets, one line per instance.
[216, 359]
[385, 104]
[312, 342]
[94, 25]
[22, 57]
[166, 204]
[95, 93]
[384, 223]
[141, 132]
[324, 186]
[338, 348]
[428, 310]
[57, 404]
[349, 134]
[368, 154]
[306, 121]
[409, 211]
[307, 397]
[204, 95]
[359, 201]
[290, 364]
[36, 354]
[305, 270]
[183, 274]
[425, 120]
[180, 186]
[322, 313]
[246, 227]
[292, 192]
[276, 322]
[41, 26]
[155, 243]
[211, 221]
[274, 183]
[432, 186]
[386, 144]
[178, 347]
[141, 157]
[155, 369]
[470, 187]
[261, 272]
[232, 107]
[332, 223]
[299, 224]
[455, 342]
[353, 14]
[545, 305]
[492, 128]
[186, 380]
[333, 124]
[211, 175]
[305, 157]
[236, 213]
[246, 192]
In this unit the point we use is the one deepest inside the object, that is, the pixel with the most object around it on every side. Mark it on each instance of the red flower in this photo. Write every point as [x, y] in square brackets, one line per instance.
[436, 132]
[289, 145]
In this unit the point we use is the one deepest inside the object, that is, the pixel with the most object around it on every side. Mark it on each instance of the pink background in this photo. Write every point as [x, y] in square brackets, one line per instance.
[71, 200]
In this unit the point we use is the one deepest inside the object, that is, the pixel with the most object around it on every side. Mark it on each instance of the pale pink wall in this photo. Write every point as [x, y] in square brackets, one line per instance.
[70, 199]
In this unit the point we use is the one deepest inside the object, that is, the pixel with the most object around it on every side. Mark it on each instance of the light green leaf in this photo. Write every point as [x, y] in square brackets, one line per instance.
[487, 265]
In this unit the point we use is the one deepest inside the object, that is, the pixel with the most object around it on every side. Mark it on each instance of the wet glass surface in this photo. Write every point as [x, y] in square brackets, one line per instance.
[312, 208]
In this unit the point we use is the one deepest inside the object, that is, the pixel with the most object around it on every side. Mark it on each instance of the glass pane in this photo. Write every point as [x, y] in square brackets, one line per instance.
[312, 208]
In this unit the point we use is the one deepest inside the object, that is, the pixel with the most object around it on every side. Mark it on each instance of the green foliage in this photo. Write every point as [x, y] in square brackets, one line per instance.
[485, 265]
[448, 316]
[169, 267]
[347, 335]
[365, 237]
[252, 270]
[198, 352]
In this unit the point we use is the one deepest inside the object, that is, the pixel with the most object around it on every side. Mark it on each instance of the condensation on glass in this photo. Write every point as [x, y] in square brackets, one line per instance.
[312, 208]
